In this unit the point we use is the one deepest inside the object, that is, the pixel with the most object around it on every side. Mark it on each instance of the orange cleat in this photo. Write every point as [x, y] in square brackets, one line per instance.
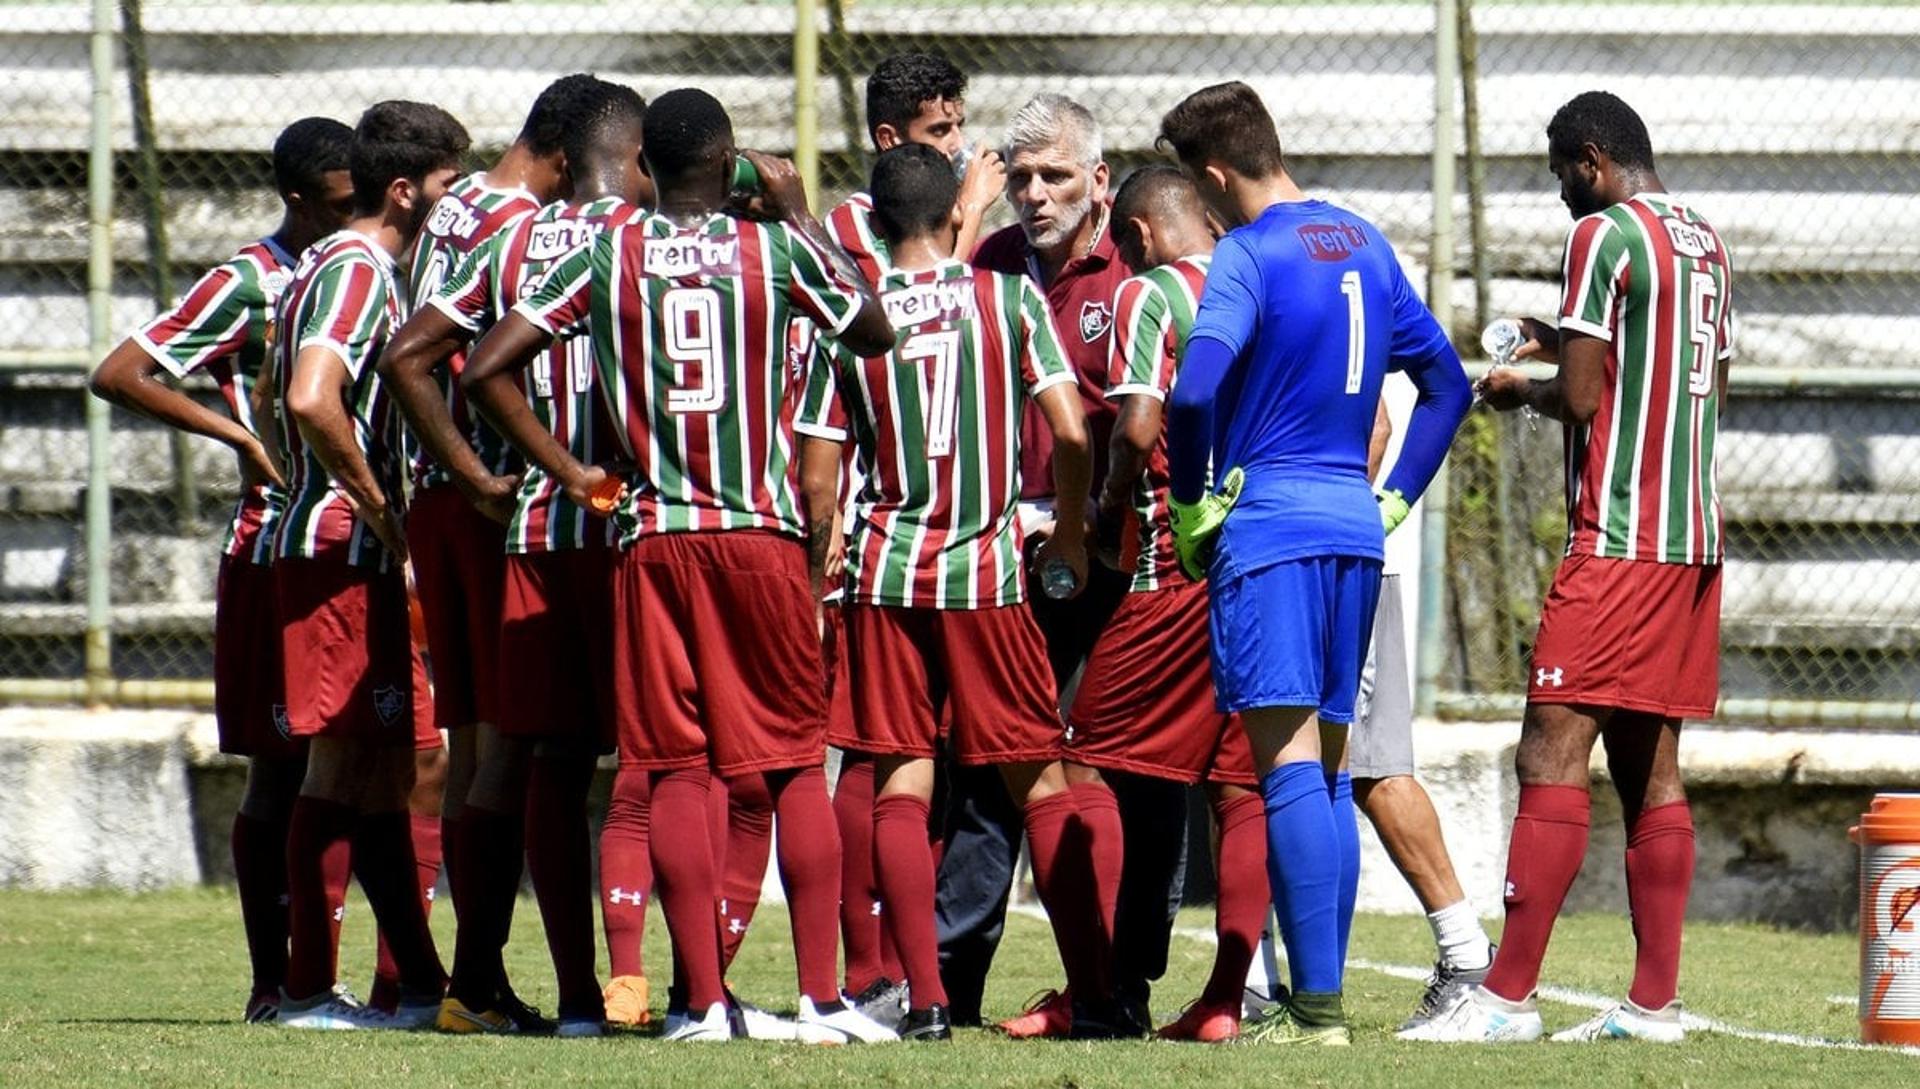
[1203, 1023]
[626, 998]
[1048, 1015]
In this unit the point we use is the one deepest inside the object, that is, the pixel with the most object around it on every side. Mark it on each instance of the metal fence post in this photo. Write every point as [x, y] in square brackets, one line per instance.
[99, 652]
[1433, 518]
[806, 87]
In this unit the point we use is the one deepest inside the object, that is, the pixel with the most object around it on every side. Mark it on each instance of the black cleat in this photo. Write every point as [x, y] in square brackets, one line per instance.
[1109, 1020]
[931, 1023]
[527, 1019]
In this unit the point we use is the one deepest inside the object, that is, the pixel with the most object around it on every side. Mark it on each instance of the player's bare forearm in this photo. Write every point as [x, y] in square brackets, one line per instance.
[266, 424]
[131, 379]
[870, 333]
[423, 346]
[315, 405]
[820, 486]
[1072, 458]
[490, 383]
[1378, 441]
[1135, 433]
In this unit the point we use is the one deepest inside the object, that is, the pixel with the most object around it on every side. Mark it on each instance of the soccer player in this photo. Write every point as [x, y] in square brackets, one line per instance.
[935, 585]
[465, 480]
[224, 325]
[1145, 703]
[556, 646]
[688, 310]
[339, 580]
[1306, 309]
[1629, 641]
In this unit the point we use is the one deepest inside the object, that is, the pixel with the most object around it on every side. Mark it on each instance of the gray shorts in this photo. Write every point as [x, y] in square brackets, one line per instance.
[1380, 745]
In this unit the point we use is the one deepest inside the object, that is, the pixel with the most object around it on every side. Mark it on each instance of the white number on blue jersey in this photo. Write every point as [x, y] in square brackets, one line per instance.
[1356, 330]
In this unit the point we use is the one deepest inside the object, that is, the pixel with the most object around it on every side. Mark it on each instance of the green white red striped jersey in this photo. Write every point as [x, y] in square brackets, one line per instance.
[1152, 315]
[344, 299]
[469, 213]
[851, 224]
[937, 425]
[1652, 278]
[559, 383]
[691, 330]
[224, 325]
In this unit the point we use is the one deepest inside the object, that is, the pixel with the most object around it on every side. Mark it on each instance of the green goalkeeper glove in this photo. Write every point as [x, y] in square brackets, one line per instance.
[1195, 524]
[1393, 509]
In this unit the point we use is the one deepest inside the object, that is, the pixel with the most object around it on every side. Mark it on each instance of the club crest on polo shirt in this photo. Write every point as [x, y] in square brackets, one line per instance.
[1096, 317]
[683, 256]
[389, 702]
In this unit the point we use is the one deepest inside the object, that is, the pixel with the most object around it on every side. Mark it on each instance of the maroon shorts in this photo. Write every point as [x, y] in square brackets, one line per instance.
[717, 654]
[248, 682]
[833, 646]
[556, 646]
[986, 667]
[350, 665]
[459, 568]
[1630, 634]
[1146, 704]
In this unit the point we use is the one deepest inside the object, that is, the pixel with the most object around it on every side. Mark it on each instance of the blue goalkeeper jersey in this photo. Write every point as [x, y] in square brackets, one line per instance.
[1315, 310]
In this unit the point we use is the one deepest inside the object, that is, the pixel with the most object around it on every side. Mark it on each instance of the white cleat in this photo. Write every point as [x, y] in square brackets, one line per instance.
[713, 1027]
[1627, 1022]
[757, 1024]
[325, 1011]
[1477, 1016]
[845, 1025]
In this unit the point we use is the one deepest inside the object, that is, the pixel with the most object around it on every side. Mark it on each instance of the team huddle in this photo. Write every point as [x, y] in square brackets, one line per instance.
[613, 447]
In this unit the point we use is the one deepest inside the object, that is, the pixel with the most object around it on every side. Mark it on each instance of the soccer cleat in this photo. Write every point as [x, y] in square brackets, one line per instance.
[1204, 1023]
[883, 1001]
[324, 1011]
[715, 1026]
[626, 998]
[1444, 987]
[579, 1028]
[1049, 1014]
[524, 1017]
[1478, 1016]
[1113, 1019]
[750, 1022]
[1629, 1022]
[409, 1014]
[931, 1023]
[1256, 1006]
[1314, 1019]
[843, 1025]
[458, 1018]
[262, 1008]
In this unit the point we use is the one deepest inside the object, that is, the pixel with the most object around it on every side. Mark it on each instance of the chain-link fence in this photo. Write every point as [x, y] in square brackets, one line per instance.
[1789, 126]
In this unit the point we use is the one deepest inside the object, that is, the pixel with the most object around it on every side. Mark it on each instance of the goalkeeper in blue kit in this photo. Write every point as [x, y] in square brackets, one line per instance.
[1306, 310]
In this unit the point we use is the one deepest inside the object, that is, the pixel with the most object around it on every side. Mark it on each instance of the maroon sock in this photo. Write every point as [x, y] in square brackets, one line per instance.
[1659, 876]
[260, 875]
[560, 860]
[749, 837]
[859, 891]
[337, 870]
[626, 871]
[904, 865]
[1063, 876]
[1240, 909]
[810, 873]
[1543, 857]
[426, 832]
[487, 855]
[317, 826]
[1106, 844]
[687, 883]
[383, 860]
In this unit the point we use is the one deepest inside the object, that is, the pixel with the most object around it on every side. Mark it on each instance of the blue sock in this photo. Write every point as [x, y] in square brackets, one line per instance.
[1303, 869]
[1340, 791]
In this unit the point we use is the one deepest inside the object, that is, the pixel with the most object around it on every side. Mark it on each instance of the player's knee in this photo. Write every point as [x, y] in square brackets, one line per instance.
[1032, 782]
[1078, 774]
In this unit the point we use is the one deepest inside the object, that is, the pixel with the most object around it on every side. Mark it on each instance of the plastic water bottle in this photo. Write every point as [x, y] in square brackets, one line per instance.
[1058, 580]
[744, 182]
[962, 159]
[1500, 340]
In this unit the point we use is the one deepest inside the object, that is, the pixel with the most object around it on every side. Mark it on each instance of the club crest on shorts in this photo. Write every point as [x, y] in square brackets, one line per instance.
[1095, 318]
[388, 703]
[281, 722]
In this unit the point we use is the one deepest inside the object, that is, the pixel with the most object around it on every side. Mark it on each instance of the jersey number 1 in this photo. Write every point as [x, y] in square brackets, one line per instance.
[1356, 330]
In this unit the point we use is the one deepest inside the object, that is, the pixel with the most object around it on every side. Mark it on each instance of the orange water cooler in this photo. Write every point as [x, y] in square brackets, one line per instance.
[1889, 838]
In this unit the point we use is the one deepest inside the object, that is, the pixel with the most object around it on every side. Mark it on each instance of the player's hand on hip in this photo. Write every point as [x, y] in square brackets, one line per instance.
[256, 467]
[1503, 389]
[494, 496]
[1196, 524]
[782, 194]
[1393, 509]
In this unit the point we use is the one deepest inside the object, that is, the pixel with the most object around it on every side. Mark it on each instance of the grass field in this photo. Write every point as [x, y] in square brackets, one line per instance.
[106, 989]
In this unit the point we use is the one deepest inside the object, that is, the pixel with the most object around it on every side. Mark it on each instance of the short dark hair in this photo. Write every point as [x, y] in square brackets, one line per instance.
[559, 109]
[307, 150]
[614, 107]
[682, 130]
[399, 139]
[1228, 122]
[913, 189]
[1154, 187]
[903, 81]
[1603, 120]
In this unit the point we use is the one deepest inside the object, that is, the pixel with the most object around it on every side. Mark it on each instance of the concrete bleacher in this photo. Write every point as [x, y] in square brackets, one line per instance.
[1796, 129]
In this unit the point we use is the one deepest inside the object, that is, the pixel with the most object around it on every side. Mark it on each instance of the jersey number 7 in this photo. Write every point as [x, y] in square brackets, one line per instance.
[936, 357]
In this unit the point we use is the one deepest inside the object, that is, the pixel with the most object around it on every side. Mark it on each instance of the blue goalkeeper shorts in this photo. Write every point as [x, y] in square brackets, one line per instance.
[1294, 634]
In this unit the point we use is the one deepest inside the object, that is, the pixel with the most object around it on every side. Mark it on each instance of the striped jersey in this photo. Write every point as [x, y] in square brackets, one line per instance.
[224, 325]
[937, 425]
[469, 213]
[1153, 313]
[691, 333]
[343, 298]
[1652, 278]
[851, 224]
[559, 382]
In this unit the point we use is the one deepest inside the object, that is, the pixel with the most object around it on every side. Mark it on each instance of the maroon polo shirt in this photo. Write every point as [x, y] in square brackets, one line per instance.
[1081, 298]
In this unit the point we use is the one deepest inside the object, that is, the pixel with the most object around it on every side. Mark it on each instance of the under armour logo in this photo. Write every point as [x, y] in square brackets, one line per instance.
[1510, 893]
[1545, 677]
[340, 913]
[736, 926]
[432, 893]
[618, 895]
[876, 909]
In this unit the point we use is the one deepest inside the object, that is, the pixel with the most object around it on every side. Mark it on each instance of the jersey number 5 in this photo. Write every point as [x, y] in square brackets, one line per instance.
[1356, 330]
[937, 355]
[692, 319]
[1703, 377]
